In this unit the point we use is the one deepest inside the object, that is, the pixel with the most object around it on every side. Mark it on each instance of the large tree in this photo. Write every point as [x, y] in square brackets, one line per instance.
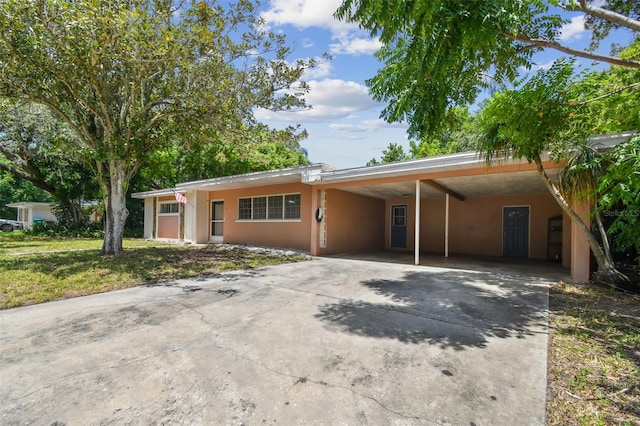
[31, 138]
[439, 53]
[127, 76]
[539, 118]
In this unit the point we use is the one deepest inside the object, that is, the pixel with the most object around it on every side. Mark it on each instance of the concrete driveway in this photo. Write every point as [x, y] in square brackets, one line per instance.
[328, 341]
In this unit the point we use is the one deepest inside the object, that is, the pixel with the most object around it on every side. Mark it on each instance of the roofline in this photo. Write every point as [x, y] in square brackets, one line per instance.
[457, 161]
[28, 203]
[248, 177]
[307, 174]
[318, 173]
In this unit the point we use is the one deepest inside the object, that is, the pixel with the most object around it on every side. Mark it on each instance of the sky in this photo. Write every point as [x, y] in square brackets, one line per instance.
[344, 125]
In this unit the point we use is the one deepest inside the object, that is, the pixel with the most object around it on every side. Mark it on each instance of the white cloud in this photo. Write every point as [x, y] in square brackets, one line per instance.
[354, 45]
[572, 31]
[305, 13]
[319, 13]
[329, 100]
[322, 69]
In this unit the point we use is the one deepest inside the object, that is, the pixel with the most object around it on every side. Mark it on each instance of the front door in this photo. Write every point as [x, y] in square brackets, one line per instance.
[217, 220]
[515, 231]
[398, 226]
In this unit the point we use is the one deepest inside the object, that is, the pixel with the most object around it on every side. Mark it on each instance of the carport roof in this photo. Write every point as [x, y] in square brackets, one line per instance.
[521, 179]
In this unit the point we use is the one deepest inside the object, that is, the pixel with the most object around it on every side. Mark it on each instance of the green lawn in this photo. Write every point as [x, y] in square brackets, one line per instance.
[36, 270]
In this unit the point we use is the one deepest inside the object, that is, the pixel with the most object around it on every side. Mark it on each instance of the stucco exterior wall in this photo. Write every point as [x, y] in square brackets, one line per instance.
[148, 217]
[168, 225]
[287, 233]
[475, 225]
[43, 212]
[355, 223]
[197, 217]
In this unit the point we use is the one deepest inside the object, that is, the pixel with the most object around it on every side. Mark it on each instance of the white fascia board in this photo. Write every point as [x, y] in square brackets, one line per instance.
[610, 140]
[155, 193]
[462, 160]
[296, 174]
[27, 204]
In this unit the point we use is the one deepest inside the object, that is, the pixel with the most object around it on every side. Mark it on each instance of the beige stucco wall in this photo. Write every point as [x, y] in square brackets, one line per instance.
[289, 234]
[168, 225]
[475, 225]
[355, 223]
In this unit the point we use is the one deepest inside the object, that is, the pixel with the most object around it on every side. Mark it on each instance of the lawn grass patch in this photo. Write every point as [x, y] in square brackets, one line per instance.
[594, 356]
[18, 243]
[42, 276]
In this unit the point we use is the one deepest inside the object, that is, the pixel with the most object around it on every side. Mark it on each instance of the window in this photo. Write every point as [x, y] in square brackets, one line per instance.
[244, 208]
[275, 207]
[259, 208]
[292, 206]
[169, 208]
[272, 207]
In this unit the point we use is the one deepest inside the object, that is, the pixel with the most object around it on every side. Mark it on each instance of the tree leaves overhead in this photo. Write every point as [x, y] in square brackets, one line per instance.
[127, 76]
[440, 53]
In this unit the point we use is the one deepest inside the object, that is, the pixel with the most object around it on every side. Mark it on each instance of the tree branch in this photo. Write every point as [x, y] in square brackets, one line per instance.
[606, 95]
[574, 52]
[607, 15]
[37, 183]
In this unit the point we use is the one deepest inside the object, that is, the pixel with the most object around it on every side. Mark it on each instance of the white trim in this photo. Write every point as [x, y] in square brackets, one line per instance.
[268, 220]
[323, 222]
[446, 225]
[283, 195]
[215, 238]
[528, 206]
[160, 203]
[416, 243]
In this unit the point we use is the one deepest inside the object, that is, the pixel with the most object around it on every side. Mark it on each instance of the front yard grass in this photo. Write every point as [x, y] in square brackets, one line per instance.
[36, 270]
[594, 356]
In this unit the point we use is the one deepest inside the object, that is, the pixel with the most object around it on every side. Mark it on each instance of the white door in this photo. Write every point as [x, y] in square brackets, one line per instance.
[217, 221]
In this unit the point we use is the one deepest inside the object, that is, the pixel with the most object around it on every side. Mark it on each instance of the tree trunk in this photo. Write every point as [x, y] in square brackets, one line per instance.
[607, 272]
[116, 212]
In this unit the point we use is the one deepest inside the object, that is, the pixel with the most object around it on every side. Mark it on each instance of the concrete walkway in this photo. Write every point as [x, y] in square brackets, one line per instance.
[328, 341]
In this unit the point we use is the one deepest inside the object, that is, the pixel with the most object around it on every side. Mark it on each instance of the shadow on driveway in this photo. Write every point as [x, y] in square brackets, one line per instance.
[451, 308]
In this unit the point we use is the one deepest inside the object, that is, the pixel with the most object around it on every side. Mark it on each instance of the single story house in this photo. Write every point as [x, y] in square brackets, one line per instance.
[30, 212]
[449, 205]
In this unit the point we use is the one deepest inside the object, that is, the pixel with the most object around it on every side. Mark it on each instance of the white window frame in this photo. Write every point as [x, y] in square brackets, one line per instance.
[161, 203]
[267, 196]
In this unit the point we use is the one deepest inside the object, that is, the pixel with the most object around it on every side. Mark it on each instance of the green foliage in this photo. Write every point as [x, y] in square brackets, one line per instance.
[619, 191]
[394, 152]
[534, 118]
[60, 230]
[441, 53]
[459, 133]
[14, 190]
[130, 76]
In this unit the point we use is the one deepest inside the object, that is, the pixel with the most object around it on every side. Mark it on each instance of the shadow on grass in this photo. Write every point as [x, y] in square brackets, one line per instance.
[144, 264]
[37, 278]
[452, 308]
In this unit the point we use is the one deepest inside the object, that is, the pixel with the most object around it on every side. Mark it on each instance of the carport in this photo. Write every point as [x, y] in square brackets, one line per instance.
[457, 205]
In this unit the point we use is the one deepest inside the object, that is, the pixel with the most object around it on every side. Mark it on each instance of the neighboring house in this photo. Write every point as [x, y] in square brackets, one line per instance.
[30, 212]
[451, 204]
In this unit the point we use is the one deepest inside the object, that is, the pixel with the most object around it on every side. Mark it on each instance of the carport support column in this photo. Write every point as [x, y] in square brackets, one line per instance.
[417, 224]
[446, 225]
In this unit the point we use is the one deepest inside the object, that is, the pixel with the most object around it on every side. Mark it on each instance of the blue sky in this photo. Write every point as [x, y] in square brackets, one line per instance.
[343, 123]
